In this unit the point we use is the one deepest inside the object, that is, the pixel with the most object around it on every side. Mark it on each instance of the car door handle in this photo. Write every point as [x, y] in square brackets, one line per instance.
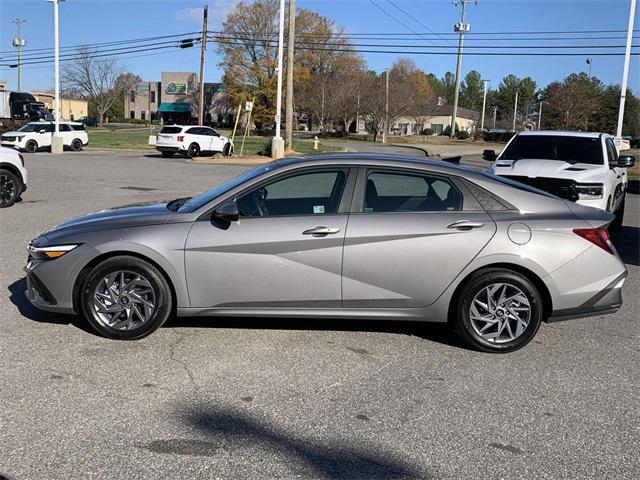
[465, 225]
[321, 231]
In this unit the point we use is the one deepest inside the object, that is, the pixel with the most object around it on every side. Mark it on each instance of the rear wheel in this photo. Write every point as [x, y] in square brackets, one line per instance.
[167, 154]
[125, 298]
[10, 188]
[498, 311]
[76, 145]
[31, 146]
[193, 151]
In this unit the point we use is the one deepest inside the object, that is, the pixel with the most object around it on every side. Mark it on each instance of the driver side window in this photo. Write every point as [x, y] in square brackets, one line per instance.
[310, 193]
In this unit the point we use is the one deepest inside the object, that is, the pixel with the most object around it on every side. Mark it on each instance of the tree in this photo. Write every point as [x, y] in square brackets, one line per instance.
[572, 103]
[472, 91]
[95, 79]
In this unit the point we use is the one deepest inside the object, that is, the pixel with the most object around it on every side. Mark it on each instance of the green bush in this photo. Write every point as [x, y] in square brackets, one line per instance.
[427, 131]
[462, 135]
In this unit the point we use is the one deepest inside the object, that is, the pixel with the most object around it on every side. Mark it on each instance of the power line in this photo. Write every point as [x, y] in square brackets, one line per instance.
[395, 19]
[414, 19]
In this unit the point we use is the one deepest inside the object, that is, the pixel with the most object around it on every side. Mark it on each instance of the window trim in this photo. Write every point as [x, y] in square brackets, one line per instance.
[343, 205]
[469, 202]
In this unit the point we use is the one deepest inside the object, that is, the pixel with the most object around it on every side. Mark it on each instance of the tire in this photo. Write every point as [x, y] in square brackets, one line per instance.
[227, 150]
[10, 188]
[616, 225]
[167, 154]
[31, 146]
[76, 145]
[193, 151]
[136, 320]
[510, 337]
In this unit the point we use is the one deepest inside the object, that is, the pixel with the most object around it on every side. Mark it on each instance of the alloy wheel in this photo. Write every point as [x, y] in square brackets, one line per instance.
[124, 300]
[500, 312]
[7, 188]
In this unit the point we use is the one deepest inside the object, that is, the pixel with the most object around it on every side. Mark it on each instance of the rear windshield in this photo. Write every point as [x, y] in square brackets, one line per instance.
[555, 147]
[171, 130]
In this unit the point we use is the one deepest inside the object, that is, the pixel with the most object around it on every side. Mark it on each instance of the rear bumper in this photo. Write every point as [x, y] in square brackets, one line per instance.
[609, 300]
[168, 149]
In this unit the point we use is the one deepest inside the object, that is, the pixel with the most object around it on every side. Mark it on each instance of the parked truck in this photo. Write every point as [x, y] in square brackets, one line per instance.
[19, 108]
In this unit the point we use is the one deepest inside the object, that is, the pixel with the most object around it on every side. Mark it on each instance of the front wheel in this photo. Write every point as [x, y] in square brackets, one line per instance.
[498, 311]
[31, 146]
[76, 145]
[616, 225]
[125, 298]
[227, 151]
[10, 188]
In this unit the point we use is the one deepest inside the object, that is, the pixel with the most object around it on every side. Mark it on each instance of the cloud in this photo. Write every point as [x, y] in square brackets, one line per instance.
[218, 11]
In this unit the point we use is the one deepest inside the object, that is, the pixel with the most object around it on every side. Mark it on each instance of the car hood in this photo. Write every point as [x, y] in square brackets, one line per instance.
[13, 134]
[120, 217]
[532, 168]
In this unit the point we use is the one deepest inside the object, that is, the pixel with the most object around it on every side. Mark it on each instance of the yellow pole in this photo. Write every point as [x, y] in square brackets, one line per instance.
[246, 130]
[235, 127]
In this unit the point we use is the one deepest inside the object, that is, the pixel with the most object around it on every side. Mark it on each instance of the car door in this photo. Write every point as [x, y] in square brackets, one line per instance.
[45, 132]
[409, 235]
[216, 142]
[284, 251]
[67, 134]
[616, 176]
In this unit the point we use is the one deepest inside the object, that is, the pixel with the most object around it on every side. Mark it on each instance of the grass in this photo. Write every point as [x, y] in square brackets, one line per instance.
[634, 172]
[139, 140]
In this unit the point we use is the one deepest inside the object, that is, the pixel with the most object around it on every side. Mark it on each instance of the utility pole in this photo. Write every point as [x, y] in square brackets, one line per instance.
[540, 115]
[515, 112]
[484, 103]
[19, 42]
[589, 62]
[461, 28]
[386, 107]
[203, 54]
[625, 69]
[277, 143]
[495, 112]
[56, 139]
[288, 120]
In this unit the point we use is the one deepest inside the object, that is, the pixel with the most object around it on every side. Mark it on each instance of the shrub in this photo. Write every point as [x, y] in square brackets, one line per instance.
[498, 136]
[427, 131]
[462, 135]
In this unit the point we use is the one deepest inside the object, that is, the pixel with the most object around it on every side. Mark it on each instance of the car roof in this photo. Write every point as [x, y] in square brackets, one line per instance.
[62, 122]
[187, 126]
[563, 133]
[377, 159]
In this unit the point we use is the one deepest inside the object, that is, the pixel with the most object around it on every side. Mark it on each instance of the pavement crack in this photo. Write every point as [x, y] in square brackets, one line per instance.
[182, 363]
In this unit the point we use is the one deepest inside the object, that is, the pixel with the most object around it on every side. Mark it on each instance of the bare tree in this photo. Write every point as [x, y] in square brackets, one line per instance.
[100, 80]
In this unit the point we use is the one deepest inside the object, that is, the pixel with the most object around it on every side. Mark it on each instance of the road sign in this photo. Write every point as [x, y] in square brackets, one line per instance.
[248, 106]
[528, 126]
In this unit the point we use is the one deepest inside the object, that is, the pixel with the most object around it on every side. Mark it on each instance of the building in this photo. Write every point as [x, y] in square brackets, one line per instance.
[70, 108]
[175, 100]
[437, 121]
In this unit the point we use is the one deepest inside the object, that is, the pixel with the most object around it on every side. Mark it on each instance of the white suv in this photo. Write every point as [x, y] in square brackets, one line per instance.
[13, 176]
[583, 167]
[36, 135]
[192, 140]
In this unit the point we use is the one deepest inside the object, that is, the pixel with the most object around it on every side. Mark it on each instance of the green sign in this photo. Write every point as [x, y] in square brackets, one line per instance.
[174, 88]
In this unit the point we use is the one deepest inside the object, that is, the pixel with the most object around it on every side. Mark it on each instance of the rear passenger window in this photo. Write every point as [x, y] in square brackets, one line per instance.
[400, 192]
[79, 127]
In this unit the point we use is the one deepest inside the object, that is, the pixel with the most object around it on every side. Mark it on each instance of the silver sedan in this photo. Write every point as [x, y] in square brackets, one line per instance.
[338, 236]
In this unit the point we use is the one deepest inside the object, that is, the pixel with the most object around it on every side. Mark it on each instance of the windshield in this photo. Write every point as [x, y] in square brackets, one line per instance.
[30, 127]
[555, 147]
[194, 203]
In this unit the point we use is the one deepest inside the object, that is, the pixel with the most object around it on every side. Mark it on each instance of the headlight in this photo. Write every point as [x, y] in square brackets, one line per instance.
[49, 253]
[19, 138]
[589, 192]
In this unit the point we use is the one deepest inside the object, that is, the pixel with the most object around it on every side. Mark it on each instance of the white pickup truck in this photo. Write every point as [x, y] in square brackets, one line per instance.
[583, 167]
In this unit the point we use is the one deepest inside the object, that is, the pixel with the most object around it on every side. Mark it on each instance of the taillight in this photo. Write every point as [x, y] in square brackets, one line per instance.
[181, 138]
[597, 236]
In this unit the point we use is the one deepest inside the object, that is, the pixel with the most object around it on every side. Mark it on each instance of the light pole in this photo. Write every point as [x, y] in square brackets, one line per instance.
[625, 69]
[589, 62]
[540, 113]
[288, 108]
[515, 112]
[386, 107]
[277, 143]
[460, 27]
[495, 113]
[484, 103]
[56, 139]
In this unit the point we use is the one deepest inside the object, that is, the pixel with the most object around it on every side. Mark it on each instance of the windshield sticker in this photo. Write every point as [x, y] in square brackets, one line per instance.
[318, 209]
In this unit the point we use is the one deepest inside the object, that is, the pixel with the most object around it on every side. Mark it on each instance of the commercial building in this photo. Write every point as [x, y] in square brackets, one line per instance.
[174, 99]
[437, 120]
[70, 108]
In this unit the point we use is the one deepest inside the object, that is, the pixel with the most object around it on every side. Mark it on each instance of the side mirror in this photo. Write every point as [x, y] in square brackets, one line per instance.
[228, 212]
[626, 161]
[489, 155]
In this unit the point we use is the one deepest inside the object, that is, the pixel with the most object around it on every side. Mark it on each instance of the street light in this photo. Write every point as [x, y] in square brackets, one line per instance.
[277, 144]
[56, 139]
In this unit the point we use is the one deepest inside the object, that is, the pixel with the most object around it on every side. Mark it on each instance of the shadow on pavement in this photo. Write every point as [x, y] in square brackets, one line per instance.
[434, 332]
[19, 299]
[627, 243]
[227, 430]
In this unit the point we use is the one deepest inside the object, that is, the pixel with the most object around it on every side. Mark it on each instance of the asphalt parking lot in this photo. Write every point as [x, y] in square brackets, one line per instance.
[269, 398]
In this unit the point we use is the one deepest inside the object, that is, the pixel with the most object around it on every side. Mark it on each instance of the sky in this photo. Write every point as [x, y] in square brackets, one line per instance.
[93, 21]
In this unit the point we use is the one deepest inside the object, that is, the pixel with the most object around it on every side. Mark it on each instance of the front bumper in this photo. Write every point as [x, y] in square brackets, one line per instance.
[609, 300]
